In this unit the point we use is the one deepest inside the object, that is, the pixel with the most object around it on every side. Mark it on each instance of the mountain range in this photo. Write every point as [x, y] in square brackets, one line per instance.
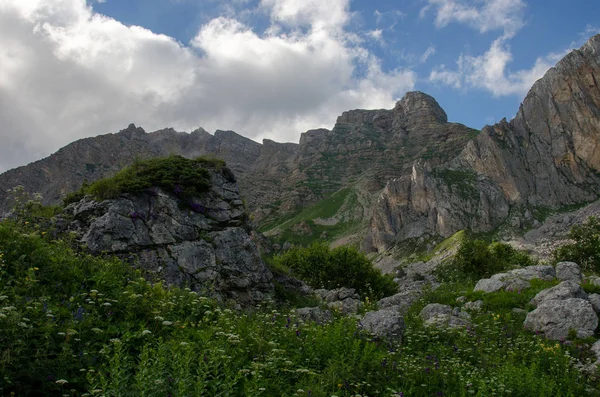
[380, 178]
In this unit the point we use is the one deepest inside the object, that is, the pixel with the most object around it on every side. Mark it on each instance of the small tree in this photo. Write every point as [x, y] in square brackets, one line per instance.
[322, 267]
[585, 250]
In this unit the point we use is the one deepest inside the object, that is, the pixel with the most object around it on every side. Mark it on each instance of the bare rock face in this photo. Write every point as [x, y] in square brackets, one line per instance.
[555, 318]
[386, 324]
[205, 245]
[548, 156]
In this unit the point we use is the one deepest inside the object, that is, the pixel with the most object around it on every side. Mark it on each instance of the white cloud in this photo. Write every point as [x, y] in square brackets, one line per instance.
[490, 72]
[68, 73]
[430, 51]
[482, 15]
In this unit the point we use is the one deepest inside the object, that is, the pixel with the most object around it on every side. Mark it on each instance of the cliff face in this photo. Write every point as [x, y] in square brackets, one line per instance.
[411, 172]
[206, 246]
[546, 157]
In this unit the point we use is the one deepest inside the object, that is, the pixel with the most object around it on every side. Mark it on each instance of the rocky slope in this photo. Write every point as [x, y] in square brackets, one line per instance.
[399, 174]
[546, 158]
[206, 247]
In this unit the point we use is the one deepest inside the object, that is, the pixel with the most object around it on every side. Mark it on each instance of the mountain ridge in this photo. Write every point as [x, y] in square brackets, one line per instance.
[413, 173]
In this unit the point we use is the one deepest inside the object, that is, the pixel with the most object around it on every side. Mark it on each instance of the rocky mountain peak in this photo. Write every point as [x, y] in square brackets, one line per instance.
[420, 108]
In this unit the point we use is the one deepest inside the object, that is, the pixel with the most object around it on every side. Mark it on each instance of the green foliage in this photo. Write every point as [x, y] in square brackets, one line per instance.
[585, 250]
[322, 267]
[477, 259]
[176, 174]
[74, 324]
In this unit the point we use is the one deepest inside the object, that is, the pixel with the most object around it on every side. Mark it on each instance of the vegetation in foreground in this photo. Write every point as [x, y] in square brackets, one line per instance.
[72, 324]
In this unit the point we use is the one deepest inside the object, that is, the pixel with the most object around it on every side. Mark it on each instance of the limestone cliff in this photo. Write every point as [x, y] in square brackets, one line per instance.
[546, 157]
[205, 246]
[410, 172]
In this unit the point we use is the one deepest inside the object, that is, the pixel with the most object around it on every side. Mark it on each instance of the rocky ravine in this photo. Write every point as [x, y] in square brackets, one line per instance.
[205, 246]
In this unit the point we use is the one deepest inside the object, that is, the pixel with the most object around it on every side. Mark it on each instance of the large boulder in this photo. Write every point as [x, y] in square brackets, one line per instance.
[568, 271]
[203, 244]
[386, 324]
[555, 318]
[564, 290]
[515, 280]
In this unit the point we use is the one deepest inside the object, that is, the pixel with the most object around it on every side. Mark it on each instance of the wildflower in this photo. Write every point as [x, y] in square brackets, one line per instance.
[167, 323]
[61, 382]
[146, 332]
[97, 330]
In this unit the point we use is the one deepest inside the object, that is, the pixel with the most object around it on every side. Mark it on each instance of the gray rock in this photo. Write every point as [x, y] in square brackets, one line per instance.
[542, 272]
[340, 294]
[564, 290]
[438, 315]
[593, 280]
[207, 249]
[314, 314]
[401, 301]
[516, 284]
[461, 299]
[568, 271]
[475, 306]
[489, 285]
[386, 324]
[595, 301]
[555, 318]
[595, 348]
[346, 306]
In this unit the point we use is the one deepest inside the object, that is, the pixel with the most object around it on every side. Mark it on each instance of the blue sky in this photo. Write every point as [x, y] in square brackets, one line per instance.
[265, 68]
[407, 32]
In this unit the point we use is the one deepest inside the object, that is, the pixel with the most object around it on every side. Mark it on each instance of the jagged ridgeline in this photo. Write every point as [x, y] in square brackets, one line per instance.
[382, 178]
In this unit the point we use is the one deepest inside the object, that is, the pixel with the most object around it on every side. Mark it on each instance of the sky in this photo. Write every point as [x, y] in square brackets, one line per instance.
[272, 69]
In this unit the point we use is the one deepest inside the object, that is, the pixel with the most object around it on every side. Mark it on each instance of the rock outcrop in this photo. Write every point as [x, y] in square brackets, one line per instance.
[204, 245]
[546, 157]
[412, 173]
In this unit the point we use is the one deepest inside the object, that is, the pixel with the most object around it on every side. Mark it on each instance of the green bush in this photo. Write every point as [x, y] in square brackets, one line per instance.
[322, 267]
[477, 259]
[585, 250]
[175, 174]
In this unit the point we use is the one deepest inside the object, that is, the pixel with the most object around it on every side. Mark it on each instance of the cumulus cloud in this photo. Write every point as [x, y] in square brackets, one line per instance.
[68, 72]
[482, 15]
[490, 72]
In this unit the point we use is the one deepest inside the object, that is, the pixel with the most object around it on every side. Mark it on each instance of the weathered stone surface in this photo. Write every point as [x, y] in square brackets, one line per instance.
[488, 285]
[541, 272]
[400, 302]
[516, 279]
[315, 314]
[346, 306]
[475, 306]
[564, 290]
[556, 317]
[568, 271]
[438, 315]
[545, 157]
[386, 324]
[208, 250]
[595, 301]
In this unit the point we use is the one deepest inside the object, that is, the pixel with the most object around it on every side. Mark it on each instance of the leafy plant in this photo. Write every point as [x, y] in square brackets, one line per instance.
[585, 250]
[476, 259]
[322, 267]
